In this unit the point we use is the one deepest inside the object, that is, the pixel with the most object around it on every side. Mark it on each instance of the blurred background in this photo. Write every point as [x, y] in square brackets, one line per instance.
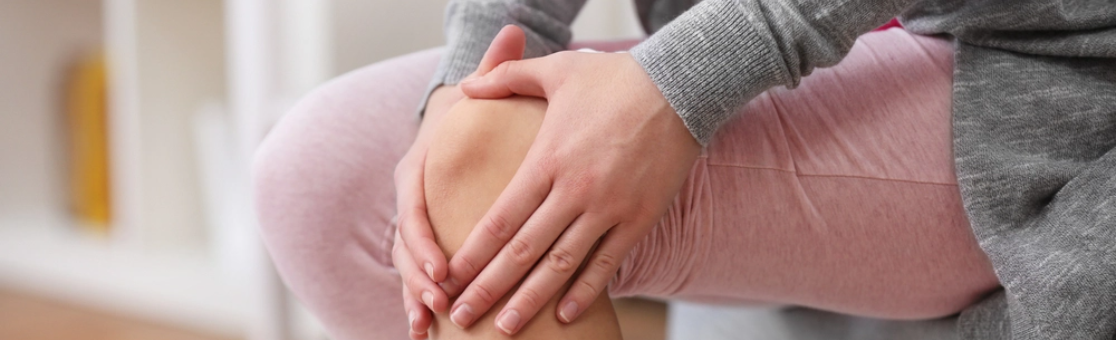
[126, 130]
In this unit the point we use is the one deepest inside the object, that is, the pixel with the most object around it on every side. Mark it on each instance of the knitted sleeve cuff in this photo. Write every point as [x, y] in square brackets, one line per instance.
[471, 26]
[710, 61]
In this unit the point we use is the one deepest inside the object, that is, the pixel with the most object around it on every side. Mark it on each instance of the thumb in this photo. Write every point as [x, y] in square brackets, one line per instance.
[507, 45]
[523, 77]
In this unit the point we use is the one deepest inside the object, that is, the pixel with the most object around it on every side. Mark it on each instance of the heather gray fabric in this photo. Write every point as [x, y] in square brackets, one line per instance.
[1034, 142]
[690, 320]
[1034, 119]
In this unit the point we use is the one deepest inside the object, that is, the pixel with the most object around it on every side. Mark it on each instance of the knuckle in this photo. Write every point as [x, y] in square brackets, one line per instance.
[625, 213]
[415, 213]
[542, 164]
[561, 261]
[414, 283]
[504, 69]
[403, 223]
[530, 298]
[499, 227]
[581, 184]
[605, 262]
[520, 252]
[468, 267]
[587, 287]
[484, 294]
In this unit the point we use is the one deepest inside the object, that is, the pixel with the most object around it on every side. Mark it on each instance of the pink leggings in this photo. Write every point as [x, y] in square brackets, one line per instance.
[838, 195]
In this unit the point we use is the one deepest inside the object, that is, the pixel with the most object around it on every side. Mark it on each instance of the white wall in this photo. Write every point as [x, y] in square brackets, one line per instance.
[607, 20]
[34, 54]
[366, 31]
[32, 172]
[181, 58]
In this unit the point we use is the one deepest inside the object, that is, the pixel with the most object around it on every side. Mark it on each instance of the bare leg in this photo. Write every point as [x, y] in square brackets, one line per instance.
[475, 154]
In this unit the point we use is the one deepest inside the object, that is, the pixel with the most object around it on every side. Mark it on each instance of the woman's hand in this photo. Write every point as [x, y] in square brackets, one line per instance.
[416, 255]
[609, 158]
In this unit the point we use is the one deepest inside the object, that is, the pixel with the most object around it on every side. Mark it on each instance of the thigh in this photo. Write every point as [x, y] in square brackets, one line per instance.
[839, 194]
[325, 194]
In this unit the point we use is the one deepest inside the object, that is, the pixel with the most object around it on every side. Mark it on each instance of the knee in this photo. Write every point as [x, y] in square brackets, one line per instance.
[476, 132]
[479, 136]
[476, 150]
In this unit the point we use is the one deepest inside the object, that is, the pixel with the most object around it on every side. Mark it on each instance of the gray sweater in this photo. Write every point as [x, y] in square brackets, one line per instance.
[1034, 119]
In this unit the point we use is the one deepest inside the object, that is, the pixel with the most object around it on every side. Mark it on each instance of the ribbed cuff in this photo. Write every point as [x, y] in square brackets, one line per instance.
[711, 61]
[470, 28]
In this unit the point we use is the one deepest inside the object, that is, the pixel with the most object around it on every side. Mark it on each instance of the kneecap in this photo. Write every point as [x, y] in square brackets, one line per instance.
[476, 150]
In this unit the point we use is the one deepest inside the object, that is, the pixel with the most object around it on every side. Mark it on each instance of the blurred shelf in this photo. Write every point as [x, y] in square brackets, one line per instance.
[183, 287]
[193, 87]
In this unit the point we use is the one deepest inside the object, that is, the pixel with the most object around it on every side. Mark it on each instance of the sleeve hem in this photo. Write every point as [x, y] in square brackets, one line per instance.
[711, 61]
[470, 28]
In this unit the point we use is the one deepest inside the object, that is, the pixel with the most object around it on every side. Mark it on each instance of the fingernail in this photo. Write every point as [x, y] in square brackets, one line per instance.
[462, 316]
[428, 299]
[451, 287]
[509, 322]
[568, 311]
[429, 270]
[411, 316]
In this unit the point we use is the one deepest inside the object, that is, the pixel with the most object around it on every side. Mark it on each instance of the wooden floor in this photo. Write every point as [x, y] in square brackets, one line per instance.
[641, 319]
[24, 317]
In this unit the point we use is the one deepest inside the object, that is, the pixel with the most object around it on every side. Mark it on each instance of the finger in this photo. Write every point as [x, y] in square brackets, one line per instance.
[415, 230]
[594, 278]
[516, 203]
[414, 224]
[514, 260]
[530, 77]
[418, 283]
[551, 273]
[507, 45]
[418, 316]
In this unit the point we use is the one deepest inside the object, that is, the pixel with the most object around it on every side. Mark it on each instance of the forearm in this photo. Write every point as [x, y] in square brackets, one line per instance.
[472, 157]
[720, 54]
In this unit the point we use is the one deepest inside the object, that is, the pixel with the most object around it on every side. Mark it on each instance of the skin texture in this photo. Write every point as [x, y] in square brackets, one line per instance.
[421, 294]
[579, 196]
[581, 193]
[474, 155]
[846, 180]
[415, 254]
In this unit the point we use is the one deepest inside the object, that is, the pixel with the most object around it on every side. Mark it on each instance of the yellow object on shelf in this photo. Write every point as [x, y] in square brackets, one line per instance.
[87, 127]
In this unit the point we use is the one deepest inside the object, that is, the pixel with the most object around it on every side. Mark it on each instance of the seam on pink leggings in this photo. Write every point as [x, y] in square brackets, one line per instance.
[799, 174]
